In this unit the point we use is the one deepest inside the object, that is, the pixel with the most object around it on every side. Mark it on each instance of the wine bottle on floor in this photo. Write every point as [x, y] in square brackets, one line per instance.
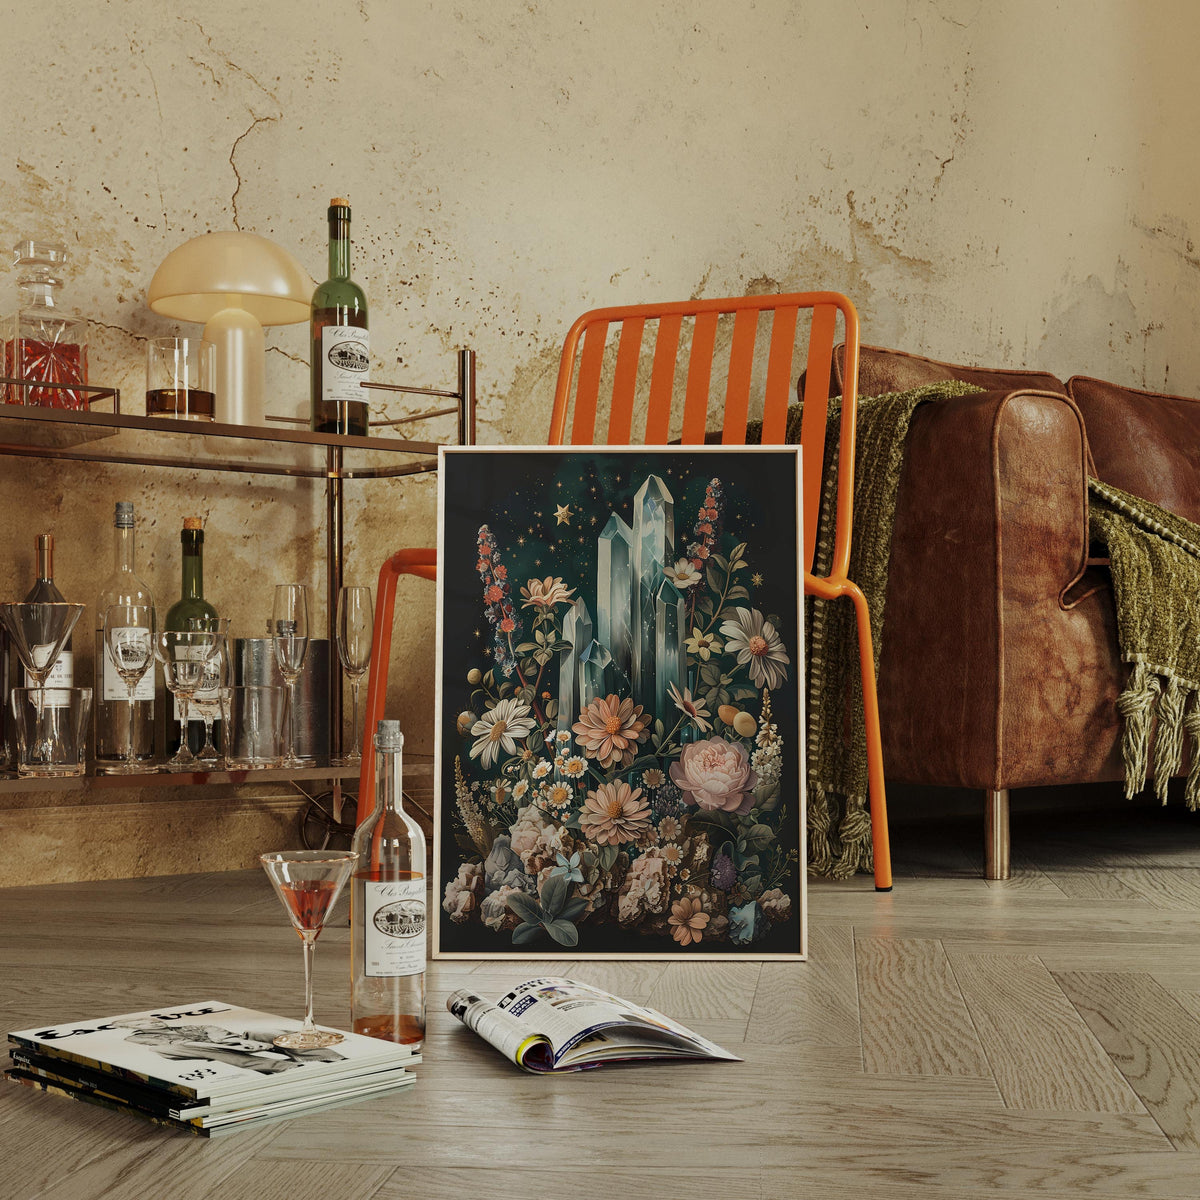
[110, 698]
[387, 908]
[341, 348]
[190, 606]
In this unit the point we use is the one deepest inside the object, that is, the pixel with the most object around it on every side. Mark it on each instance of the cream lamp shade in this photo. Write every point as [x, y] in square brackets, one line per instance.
[235, 283]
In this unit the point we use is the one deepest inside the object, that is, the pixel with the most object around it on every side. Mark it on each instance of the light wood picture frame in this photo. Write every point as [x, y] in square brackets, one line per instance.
[619, 757]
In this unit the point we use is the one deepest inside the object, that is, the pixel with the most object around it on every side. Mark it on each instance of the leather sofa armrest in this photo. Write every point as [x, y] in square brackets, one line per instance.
[990, 535]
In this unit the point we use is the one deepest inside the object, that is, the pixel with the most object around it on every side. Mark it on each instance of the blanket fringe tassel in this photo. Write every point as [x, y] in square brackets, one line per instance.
[1168, 739]
[1136, 705]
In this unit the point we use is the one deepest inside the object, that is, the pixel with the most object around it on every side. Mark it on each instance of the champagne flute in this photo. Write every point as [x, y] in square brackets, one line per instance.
[207, 700]
[129, 642]
[355, 628]
[184, 656]
[289, 633]
[308, 883]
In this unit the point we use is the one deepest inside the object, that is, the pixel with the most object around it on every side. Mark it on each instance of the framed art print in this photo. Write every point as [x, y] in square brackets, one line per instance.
[619, 759]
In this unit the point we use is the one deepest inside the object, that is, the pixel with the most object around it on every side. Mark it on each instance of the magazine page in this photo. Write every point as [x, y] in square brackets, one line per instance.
[551, 1022]
[204, 1049]
[510, 1035]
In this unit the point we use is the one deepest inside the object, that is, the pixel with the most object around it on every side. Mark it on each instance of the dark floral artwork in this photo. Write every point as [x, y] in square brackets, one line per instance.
[619, 757]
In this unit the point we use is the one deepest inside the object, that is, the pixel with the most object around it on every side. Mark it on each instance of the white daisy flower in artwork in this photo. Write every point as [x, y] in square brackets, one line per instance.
[683, 575]
[562, 736]
[500, 729]
[520, 788]
[758, 647]
[574, 768]
[542, 770]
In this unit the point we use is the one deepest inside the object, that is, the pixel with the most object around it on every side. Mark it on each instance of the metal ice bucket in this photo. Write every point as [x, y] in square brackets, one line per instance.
[254, 663]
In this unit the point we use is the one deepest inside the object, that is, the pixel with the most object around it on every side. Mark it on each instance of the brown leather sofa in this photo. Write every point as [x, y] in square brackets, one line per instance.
[999, 666]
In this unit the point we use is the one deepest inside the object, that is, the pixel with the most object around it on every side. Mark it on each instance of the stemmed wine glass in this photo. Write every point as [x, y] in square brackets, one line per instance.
[129, 641]
[184, 657]
[208, 696]
[39, 630]
[289, 632]
[355, 627]
[308, 882]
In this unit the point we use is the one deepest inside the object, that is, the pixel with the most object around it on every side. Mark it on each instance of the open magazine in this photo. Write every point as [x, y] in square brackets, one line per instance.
[558, 1025]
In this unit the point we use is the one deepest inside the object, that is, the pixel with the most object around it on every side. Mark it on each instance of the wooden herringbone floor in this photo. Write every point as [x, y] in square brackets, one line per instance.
[956, 1038]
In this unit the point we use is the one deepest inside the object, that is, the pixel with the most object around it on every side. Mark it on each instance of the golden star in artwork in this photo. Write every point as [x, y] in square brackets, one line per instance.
[563, 514]
[756, 579]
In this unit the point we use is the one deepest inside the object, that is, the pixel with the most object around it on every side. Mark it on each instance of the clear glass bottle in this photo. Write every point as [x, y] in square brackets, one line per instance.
[43, 342]
[341, 348]
[190, 605]
[110, 697]
[387, 908]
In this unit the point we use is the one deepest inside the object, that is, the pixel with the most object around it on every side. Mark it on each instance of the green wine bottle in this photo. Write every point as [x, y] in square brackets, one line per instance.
[341, 349]
[190, 606]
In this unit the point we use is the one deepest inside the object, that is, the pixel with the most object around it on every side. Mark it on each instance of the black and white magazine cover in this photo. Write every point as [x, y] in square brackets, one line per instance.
[207, 1050]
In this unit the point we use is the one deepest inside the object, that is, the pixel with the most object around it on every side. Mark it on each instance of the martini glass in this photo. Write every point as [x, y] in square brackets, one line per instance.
[39, 630]
[129, 638]
[184, 657]
[308, 882]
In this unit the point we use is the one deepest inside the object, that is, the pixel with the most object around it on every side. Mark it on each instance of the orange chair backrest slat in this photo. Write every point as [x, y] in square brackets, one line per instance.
[585, 372]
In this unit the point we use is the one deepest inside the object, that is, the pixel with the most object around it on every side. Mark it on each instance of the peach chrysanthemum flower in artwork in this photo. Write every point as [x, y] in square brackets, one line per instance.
[610, 729]
[687, 921]
[614, 813]
[545, 593]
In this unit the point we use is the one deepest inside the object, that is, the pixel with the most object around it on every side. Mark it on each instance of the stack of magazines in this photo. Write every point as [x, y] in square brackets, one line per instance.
[208, 1067]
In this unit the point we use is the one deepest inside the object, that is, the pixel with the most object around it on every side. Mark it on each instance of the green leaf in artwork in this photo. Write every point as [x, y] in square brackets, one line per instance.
[563, 932]
[714, 577]
[525, 906]
[561, 645]
[660, 728]
[606, 856]
[554, 895]
[527, 647]
[738, 551]
[710, 672]
[737, 592]
[526, 932]
[551, 709]
[574, 909]
[759, 837]
[721, 561]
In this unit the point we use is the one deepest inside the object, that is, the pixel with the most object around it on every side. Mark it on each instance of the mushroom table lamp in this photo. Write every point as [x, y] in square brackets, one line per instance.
[235, 283]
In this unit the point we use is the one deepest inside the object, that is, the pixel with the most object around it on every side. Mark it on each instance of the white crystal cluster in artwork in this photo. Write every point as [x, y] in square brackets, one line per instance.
[636, 645]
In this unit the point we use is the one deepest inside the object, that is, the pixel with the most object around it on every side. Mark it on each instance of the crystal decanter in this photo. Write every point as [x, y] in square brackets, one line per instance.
[42, 342]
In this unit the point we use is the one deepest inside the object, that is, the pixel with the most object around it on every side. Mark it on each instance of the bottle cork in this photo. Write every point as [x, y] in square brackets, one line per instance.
[339, 202]
[193, 522]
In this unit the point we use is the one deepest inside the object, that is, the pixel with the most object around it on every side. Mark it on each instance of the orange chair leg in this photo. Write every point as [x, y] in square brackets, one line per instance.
[422, 563]
[880, 845]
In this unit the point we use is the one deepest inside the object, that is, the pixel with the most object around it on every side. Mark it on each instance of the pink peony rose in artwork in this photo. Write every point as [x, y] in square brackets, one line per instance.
[715, 775]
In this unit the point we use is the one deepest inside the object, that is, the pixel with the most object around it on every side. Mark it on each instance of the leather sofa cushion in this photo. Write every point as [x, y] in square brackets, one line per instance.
[881, 370]
[1147, 443]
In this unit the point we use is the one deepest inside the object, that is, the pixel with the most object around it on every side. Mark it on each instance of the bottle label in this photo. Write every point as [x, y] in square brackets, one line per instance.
[395, 928]
[114, 686]
[346, 362]
[62, 675]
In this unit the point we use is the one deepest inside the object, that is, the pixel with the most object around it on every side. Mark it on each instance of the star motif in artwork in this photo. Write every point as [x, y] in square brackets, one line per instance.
[756, 579]
[521, 540]
[563, 514]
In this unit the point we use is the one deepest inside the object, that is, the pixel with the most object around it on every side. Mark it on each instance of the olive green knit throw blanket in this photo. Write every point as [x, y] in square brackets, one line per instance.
[1154, 557]
[839, 821]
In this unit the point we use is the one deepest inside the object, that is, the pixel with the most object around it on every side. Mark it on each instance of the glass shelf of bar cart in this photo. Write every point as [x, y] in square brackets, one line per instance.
[105, 434]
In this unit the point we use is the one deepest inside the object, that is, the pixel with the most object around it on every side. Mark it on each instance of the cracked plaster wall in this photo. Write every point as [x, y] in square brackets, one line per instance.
[1005, 183]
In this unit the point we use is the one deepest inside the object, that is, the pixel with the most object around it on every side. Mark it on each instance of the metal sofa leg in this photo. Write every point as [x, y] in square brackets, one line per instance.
[996, 843]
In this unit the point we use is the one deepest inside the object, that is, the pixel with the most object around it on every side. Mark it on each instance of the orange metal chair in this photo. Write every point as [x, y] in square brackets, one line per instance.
[585, 366]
